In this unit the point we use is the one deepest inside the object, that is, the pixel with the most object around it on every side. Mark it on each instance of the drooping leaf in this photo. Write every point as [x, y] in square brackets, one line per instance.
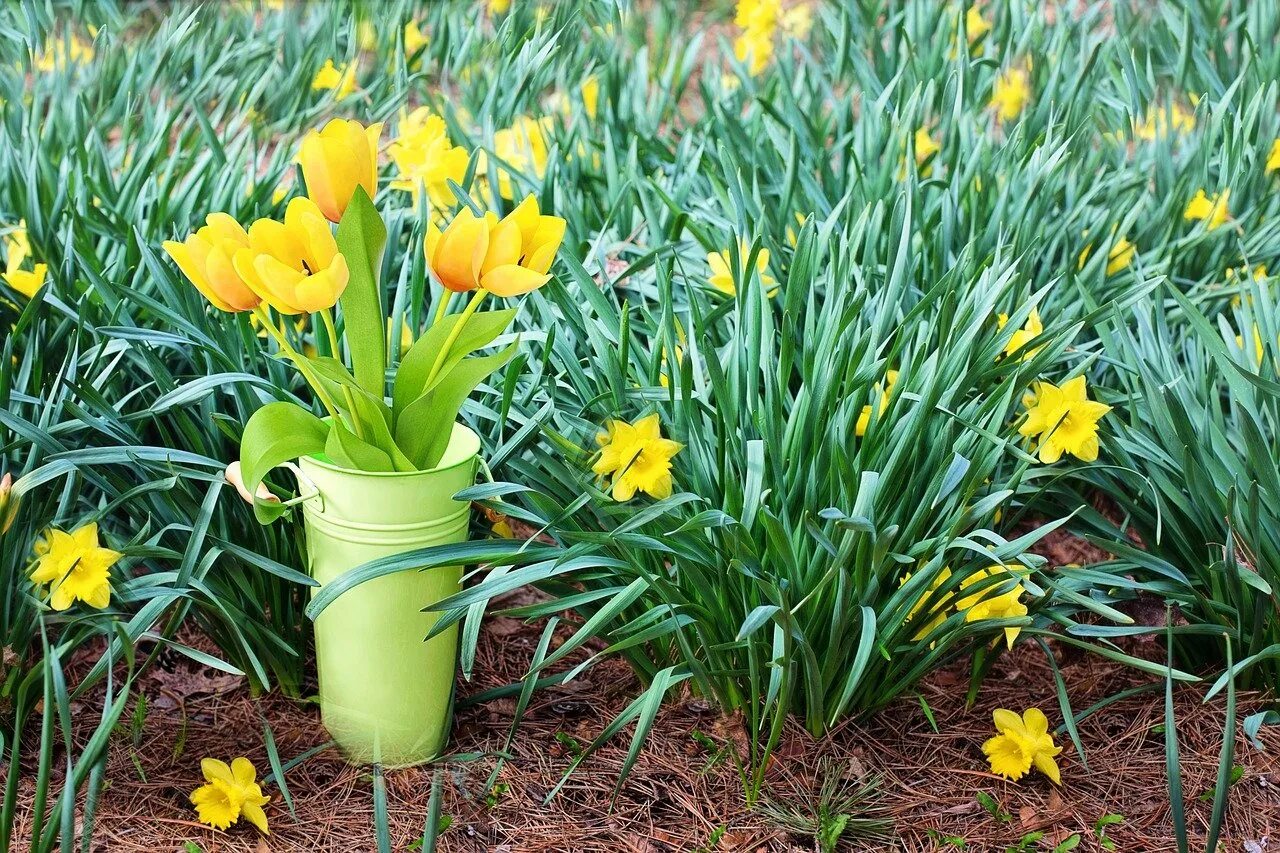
[277, 433]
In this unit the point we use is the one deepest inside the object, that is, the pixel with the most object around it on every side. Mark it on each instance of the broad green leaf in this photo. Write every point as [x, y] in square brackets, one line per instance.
[345, 449]
[277, 433]
[361, 235]
[425, 426]
[480, 331]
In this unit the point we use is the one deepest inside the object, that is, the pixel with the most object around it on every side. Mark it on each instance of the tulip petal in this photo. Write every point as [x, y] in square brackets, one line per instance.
[461, 252]
[193, 268]
[316, 176]
[511, 280]
[505, 245]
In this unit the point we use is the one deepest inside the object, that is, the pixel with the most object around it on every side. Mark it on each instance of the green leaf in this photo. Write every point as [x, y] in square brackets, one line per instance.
[361, 235]
[425, 426]
[371, 415]
[346, 449]
[479, 332]
[277, 433]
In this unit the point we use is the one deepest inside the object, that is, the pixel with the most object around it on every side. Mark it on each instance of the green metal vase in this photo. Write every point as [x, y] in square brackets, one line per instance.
[385, 694]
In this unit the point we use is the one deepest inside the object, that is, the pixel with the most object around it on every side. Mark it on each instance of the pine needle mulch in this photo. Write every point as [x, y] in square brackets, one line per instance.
[684, 792]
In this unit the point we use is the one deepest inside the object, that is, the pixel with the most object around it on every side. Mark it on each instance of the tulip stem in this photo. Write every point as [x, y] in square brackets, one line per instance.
[443, 355]
[336, 352]
[299, 361]
[443, 307]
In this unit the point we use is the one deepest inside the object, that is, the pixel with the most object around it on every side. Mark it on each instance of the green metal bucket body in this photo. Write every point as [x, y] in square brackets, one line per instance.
[385, 694]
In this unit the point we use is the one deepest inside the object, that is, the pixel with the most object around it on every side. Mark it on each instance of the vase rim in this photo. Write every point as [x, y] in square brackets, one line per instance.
[461, 432]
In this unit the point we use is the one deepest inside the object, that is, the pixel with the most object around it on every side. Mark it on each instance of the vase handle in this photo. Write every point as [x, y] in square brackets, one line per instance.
[307, 489]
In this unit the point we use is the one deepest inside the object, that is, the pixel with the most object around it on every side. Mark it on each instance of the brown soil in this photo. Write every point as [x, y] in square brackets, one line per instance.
[684, 793]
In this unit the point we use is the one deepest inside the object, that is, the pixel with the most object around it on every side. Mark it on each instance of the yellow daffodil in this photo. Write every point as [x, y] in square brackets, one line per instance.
[721, 277]
[506, 257]
[590, 91]
[1119, 257]
[59, 53]
[1161, 122]
[424, 156]
[1257, 273]
[1210, 209]
[339, 79]
[754, 50]
[925, 147]
[294, 266]
[27, 282]
[1011, 93]
[793, 235]
[1021, 337]
[523, 148]
[230, 793]
[336, 160]
[17, 250]
[1022, 743]
[205, 258]
[937, 608]
[499, 7]
[637, 457]
[8, 503]
[1258, 348]
[367, 36]
[75, 566]
[864, 417]
[414, 39]
[1273, 159]
[975, 26]
[663, 379]
[988, 604]
[797, 22]
[759, 20]
[1065, 420]
[17, 245]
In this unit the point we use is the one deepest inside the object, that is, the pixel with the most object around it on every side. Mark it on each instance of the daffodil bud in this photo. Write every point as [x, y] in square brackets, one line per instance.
[8, 504]
[295, 265]
[336, 160]
[205, 258]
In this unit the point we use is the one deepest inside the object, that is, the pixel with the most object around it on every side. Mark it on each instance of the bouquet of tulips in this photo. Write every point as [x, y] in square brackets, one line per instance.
[303, 266]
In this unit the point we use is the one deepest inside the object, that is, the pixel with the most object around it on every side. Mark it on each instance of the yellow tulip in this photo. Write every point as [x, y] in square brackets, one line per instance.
[336, 160]
[506, 257]
[205, 258]
[295, 265]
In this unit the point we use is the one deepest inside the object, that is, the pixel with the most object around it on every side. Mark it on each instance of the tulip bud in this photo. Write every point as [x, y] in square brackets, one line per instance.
[205, 258]
[8, 504]
[336, 160]
[295, 265]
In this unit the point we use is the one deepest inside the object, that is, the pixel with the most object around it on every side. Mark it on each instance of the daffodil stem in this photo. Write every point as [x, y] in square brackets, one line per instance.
[335, 351]
[299, 361]
[443, 355]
